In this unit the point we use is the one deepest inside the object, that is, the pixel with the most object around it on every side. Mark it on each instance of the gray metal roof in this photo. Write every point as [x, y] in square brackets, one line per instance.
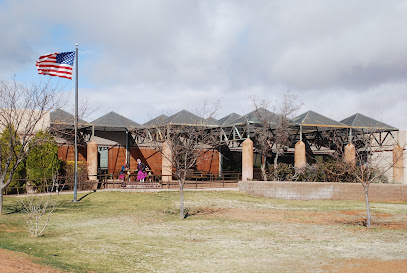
[185, 117]
[256, 116]
[228, 119]
[113, 121]
[213, 121]
[361, 121]
[156, 121]
[60, 116]
[314, 119]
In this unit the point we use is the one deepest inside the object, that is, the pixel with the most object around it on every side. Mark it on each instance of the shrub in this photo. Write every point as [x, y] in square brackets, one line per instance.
[42, 160]
[329, 171]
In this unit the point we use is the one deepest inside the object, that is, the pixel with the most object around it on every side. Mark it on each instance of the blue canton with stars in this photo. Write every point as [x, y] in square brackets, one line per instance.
[65, 58]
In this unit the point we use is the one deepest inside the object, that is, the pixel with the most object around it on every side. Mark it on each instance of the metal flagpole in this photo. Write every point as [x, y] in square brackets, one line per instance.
[76, 126]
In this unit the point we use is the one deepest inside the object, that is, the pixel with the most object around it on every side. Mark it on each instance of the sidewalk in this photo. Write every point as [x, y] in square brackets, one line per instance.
[126, 190]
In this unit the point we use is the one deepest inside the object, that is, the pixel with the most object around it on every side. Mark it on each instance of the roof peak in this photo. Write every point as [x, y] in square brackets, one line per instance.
[113, 119]
[311, 118]
[359, 120]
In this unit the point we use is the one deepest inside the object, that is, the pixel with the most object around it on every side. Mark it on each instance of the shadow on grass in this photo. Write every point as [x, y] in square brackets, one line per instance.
[89, 193]
[12, 209]
[200, 211]
[17, 207]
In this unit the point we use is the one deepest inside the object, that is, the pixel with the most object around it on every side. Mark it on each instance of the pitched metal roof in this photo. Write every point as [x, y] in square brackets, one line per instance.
[228, 119]
[361, 121]
[62, 117]
[114, 121]
[156, 121]
[213, 121]
[256, 116]
[185, 117]
[314, 119]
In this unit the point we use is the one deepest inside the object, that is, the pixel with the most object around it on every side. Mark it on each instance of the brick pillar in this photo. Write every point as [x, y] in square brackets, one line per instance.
[398, 164]
[350, 154]
[166, 163]
[299, 155]
[247, 160]
[92, 160]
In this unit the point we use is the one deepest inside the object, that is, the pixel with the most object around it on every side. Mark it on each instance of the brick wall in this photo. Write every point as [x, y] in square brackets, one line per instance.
[327, 191]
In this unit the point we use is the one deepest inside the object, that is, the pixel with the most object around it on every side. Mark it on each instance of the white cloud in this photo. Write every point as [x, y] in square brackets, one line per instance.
[339, 57]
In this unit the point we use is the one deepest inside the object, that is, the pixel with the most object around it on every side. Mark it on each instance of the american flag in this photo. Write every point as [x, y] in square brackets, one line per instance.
[56, 64]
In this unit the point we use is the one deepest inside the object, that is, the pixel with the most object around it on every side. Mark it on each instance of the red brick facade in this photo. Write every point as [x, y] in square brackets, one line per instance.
[151, 157]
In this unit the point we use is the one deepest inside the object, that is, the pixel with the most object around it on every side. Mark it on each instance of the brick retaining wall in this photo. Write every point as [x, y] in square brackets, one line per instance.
[328, 191]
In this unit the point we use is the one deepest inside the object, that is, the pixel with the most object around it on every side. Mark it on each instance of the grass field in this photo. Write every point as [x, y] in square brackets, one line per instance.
[225, 231]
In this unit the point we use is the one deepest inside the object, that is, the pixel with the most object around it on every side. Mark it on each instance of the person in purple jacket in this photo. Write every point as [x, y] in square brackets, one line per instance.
[141, 168]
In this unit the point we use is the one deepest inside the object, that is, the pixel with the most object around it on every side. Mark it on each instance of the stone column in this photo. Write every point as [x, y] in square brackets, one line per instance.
[247, 160]
[350, 154]
[299, 155]
[166, 163]
[92, 160]
[398, 164]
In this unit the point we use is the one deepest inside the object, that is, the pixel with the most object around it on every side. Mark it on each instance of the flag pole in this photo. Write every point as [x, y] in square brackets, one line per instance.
[76, 126]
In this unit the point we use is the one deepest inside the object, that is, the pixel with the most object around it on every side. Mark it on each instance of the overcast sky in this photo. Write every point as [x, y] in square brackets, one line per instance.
[144, 58]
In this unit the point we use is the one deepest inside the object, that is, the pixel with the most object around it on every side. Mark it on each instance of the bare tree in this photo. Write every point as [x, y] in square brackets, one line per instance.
[273, 132]
[264, 136]
[39, 207]
[24, 110]
[372, 162]
[186, 146]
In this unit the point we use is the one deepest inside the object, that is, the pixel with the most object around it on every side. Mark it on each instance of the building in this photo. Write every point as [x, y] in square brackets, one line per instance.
[119, 139]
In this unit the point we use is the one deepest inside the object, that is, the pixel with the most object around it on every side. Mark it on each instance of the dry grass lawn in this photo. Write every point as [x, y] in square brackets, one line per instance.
[224, 232]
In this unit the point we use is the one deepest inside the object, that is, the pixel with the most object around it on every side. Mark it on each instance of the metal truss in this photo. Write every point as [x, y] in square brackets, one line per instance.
[315, 138]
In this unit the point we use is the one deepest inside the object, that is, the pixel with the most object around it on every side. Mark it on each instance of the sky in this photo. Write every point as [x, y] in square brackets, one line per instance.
[145, 58]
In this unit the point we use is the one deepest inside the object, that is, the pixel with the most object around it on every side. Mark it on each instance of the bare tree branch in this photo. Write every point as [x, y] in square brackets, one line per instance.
[187, 145]
[273, 131]
[24, 110]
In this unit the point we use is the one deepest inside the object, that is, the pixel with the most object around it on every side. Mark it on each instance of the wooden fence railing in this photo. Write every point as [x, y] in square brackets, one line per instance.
[111, 181]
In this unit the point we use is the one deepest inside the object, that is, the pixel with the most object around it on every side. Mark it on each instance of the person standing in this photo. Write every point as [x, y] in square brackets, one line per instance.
[122, 174]
[141, 168]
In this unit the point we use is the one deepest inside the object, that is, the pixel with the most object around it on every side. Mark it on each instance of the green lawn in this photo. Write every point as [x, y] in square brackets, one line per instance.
[141, 232]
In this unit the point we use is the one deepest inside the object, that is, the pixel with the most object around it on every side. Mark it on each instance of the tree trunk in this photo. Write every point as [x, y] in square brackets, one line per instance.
[263, 167]
[366, 188]
[1, 201]
[275, 166]
[181, 205]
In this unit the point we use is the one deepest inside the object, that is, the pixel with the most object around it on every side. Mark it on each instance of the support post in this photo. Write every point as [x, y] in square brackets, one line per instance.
[247, 160]
[350, 154]
[127, 147]
[92, 160]
[220, 160]
[299, 155]
[166, 173]
[398, 164]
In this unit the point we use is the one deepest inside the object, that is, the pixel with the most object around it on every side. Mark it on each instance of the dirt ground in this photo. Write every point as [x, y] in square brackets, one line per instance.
[367, 266]
[15, 262]
[19, 262]
[347, 217]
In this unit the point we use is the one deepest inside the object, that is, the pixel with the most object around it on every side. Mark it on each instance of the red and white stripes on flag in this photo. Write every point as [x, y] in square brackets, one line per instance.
[56, 64]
